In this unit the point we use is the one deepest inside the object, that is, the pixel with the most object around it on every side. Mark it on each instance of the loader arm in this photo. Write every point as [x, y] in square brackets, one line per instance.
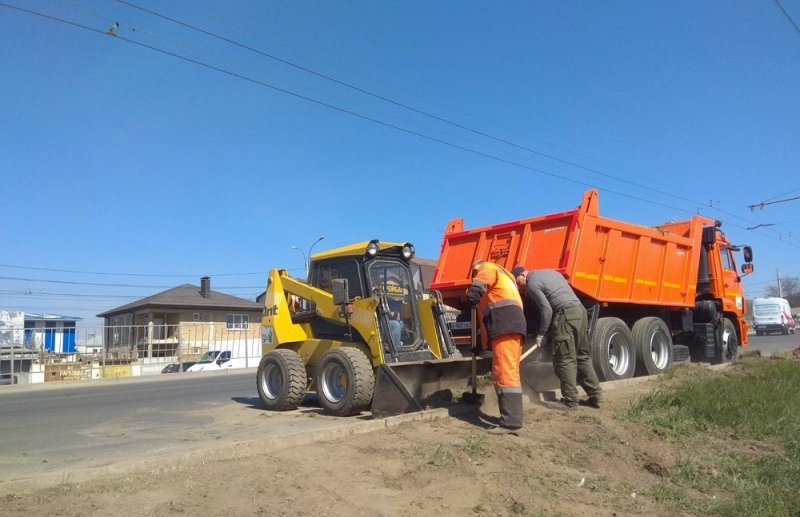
[278, 316]
[280, 286]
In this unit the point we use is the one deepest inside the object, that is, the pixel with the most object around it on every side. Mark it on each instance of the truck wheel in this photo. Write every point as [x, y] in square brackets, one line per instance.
[613, 353]
[345, 381]
[730, 343]
[653, 343]
[281, 380]
[759, 333]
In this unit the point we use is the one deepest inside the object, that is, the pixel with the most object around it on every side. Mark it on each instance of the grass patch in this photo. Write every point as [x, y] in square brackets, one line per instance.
[440, 457]
[475, 445]
[758, 399]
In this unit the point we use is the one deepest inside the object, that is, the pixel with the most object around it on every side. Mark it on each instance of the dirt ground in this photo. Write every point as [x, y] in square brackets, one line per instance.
[578, 463]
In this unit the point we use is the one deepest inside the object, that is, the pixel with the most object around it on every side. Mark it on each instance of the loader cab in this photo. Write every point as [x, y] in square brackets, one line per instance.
[394, 281]
[377, 269]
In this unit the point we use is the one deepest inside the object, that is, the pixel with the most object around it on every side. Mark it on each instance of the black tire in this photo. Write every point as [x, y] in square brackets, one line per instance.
[653, 342]
[759, 333]
[345, 381]
[730, 344]
[281, 380]
[785, 330]
[613, 353]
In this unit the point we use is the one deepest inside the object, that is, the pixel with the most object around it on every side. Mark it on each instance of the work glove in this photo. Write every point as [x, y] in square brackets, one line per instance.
[539, 340]
[473, 297]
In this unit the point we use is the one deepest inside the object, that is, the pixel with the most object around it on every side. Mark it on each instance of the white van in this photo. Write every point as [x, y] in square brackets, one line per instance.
[218, 360]
[772, 315]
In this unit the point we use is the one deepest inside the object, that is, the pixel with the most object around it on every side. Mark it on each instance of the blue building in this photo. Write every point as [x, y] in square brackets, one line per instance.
[50, 332]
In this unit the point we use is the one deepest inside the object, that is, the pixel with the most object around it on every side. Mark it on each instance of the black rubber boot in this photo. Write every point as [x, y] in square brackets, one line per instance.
[510, 410]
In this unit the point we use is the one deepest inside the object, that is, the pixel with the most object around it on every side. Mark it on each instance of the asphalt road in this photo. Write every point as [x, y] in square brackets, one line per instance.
[773, 343]
[58, 429]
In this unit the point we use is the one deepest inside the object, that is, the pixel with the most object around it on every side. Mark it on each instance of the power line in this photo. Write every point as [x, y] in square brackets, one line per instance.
[69, 282]
[356, 114]
[129, 274]
[788, 16]
[337, 108]
[425, 113]
[400, 104]
[765, 203]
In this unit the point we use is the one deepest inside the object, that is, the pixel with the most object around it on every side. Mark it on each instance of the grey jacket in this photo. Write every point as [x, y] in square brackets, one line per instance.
[550, 292]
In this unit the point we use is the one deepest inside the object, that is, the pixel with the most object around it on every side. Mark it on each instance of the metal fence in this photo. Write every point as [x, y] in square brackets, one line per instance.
[120, 350]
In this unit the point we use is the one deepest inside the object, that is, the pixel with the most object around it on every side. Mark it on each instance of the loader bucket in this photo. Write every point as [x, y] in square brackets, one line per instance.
[417, 385]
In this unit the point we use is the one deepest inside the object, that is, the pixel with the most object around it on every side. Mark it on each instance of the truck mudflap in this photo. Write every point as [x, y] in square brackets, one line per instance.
[418, 385]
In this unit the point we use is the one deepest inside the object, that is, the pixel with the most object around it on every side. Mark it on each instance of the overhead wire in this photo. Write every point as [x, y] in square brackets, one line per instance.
[374, 120]
[787, 15]
[428, 114]
[72, 282]
[400, 104]
[341, 110]
[151, 275]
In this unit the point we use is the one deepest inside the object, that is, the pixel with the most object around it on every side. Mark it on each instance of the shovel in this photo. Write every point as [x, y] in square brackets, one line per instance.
[473, 397]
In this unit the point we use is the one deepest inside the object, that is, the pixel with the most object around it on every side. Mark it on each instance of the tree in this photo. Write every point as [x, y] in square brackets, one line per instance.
[790, 289]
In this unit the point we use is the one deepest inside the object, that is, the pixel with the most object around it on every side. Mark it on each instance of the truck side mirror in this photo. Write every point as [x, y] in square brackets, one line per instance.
[340, 293]
[747, 251]
[747, 269]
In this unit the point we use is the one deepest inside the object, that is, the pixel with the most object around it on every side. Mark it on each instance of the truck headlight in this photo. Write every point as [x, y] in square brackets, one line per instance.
[408, 251]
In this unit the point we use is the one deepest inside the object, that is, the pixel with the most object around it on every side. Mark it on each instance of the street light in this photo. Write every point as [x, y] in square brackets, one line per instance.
[307, 256]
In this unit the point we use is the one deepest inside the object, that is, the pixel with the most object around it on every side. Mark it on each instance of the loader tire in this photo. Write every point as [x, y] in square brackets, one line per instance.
[281, 380]
[730, 344]
[345, 381]
[613, 353]
[653, 343]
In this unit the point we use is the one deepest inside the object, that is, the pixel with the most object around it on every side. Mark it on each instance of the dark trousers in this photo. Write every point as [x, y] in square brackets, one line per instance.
[572, 360]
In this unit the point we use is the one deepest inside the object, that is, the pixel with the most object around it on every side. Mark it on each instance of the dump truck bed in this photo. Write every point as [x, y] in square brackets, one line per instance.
[604, 259]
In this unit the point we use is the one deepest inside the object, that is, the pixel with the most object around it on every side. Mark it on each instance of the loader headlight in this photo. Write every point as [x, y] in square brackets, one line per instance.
[373, 247]
[408, 251]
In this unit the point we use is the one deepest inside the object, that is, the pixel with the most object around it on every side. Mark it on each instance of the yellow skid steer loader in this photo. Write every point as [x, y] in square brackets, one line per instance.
[362, 333]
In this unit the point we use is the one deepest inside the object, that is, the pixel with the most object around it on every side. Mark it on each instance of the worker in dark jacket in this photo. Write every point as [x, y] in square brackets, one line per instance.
[562, 318]
[502, 323]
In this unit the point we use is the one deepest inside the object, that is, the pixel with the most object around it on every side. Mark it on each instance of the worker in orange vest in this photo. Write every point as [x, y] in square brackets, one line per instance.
[502, 323]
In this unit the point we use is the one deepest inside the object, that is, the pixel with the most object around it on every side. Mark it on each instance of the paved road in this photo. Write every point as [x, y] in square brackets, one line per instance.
[47, 429]
[773, 343]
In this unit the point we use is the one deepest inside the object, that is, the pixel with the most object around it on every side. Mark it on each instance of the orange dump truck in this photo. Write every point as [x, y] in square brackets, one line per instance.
[655, 295]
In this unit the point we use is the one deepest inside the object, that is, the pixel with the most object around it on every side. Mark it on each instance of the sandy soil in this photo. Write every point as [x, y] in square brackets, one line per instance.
[580, 463]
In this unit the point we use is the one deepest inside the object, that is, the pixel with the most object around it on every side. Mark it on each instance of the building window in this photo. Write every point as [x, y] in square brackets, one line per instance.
[195, 316]
[237, 321]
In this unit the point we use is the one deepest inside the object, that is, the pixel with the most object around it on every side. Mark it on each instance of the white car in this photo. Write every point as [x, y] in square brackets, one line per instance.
[217, 360]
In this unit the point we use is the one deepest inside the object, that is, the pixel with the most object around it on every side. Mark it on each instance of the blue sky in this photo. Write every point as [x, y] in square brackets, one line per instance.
[120, 158]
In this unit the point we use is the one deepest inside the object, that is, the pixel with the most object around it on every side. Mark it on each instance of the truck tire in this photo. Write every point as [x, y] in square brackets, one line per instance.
[613, 353]
[345, 381]
[281, 380]
[730, 344]
[653, 343]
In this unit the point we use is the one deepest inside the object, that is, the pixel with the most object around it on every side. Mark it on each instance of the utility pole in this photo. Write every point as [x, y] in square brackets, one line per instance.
[780, 291]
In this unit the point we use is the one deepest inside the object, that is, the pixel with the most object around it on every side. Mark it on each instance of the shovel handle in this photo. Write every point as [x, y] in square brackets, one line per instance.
[473, 314]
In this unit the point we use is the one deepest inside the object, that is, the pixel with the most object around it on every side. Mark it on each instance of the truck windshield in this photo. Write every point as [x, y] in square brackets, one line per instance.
[208, 357]
[395, 281]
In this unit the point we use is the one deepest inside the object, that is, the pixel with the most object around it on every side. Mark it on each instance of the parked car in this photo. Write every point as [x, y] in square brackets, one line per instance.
[178, 367]
[218, 360]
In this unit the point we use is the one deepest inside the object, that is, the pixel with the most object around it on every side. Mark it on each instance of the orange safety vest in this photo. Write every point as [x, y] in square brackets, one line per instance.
[500, 309]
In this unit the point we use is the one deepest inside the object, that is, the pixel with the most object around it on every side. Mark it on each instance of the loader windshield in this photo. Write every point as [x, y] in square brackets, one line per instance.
[394, 282]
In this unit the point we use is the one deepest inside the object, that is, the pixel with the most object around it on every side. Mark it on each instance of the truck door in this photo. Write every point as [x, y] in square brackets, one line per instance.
[732, 282]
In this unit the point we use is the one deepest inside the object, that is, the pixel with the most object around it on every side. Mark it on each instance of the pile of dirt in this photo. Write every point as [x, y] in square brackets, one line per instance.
[582, 462]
